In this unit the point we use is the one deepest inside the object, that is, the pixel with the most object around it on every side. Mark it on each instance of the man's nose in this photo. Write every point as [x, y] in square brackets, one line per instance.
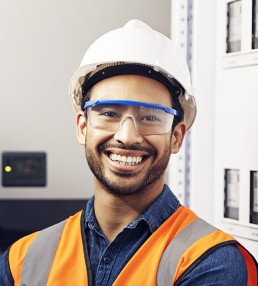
[128, 133]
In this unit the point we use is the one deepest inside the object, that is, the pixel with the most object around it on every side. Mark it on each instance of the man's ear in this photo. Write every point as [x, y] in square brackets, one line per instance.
[80, 127]
[178, 135]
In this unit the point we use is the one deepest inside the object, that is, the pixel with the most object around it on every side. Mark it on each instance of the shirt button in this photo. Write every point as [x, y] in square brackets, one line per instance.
[107, 260]
[91, 225]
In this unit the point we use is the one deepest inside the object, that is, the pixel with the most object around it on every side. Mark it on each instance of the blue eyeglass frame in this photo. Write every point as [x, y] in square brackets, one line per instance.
[131, 103]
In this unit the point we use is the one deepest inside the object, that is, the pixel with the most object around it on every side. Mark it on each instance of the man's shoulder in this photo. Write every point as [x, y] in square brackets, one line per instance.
[5, 274]
[223, 266]
[207, 253]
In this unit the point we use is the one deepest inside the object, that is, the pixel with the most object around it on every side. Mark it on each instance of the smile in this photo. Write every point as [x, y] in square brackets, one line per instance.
[126, 160]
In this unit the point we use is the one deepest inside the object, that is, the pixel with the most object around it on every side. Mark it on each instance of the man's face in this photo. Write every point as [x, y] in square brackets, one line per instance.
[126, 162]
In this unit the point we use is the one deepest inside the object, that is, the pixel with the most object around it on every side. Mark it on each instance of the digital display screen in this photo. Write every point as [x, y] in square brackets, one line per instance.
[27, 166]
[24, 169]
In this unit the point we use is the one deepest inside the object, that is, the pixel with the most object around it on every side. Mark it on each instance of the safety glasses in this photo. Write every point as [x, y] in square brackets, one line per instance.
[148, 118]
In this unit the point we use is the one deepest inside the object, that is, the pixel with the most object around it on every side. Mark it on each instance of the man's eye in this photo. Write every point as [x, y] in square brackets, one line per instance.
[110, 114]
[150, 118]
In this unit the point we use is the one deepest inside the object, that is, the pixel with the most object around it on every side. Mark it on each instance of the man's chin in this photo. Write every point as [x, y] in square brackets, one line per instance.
[121, 188]
[124, 174]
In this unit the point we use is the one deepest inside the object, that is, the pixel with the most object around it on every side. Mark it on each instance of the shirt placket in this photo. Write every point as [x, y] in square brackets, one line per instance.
[108, 259]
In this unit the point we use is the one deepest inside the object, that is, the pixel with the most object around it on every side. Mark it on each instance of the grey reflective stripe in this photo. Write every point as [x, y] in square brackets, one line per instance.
[40, 255]
[174, 251]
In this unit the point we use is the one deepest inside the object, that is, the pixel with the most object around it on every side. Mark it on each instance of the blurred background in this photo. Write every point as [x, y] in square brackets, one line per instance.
[44, 174]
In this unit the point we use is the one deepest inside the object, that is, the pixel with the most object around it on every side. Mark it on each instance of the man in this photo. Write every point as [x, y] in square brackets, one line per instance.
[134, 103]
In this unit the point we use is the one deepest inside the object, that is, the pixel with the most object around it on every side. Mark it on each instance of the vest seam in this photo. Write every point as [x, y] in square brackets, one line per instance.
[85, 249]
[202, 257]
[8, 268]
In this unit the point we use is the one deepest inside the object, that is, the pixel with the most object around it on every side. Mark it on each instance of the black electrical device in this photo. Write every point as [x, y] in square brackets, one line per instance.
[231, 190]
[24, 169]
[234, 19]
[254, 197]
[255, 25]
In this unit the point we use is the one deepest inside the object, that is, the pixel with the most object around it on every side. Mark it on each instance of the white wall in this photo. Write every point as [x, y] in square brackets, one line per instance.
[42, 44]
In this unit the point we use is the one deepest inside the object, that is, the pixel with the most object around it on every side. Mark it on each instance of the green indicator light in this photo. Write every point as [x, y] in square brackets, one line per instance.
[8, 169]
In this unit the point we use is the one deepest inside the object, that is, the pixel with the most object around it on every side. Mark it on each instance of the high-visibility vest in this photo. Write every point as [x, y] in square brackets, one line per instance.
[57, 256]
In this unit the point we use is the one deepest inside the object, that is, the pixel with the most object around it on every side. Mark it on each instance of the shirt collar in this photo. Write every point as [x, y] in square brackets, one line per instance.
[90, 219]
[160, 210]
[163, 207]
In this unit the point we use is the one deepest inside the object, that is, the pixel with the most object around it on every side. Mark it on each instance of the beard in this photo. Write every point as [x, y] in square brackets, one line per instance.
[120, 185]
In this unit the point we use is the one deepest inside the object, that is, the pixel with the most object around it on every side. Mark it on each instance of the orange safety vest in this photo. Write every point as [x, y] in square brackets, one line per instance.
[58, 255]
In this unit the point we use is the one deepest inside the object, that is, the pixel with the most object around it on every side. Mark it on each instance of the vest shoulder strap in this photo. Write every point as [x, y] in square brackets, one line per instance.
[45, 258]
[44, 248]
[192, 245]
[178, 246]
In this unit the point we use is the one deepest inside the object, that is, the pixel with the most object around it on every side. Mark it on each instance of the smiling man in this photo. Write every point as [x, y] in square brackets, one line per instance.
[134, 103]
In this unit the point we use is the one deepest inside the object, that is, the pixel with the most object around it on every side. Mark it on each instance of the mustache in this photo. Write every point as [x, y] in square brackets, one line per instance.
[135, 147]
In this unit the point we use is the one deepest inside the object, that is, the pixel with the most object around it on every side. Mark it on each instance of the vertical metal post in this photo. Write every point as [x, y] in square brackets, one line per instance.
[181, 32]
[188, 136]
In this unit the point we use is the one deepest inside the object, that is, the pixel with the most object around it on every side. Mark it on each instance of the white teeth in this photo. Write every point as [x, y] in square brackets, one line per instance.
[130, 159]
[124, 160]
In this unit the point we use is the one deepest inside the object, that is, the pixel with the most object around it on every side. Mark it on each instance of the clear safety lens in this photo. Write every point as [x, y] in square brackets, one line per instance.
[148, 120]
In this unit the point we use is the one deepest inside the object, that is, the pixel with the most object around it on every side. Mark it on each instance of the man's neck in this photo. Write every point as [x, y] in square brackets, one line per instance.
[114, 212]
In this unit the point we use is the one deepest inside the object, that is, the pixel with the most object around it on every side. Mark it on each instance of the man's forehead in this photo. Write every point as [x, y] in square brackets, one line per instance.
[129, 78]
[131, 87]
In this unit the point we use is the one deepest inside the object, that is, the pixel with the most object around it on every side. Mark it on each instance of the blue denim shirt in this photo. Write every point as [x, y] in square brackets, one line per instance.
[225, 266]
[107, 260]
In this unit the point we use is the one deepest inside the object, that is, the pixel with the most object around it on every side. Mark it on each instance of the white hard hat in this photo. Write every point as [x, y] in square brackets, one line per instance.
[136, 45]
